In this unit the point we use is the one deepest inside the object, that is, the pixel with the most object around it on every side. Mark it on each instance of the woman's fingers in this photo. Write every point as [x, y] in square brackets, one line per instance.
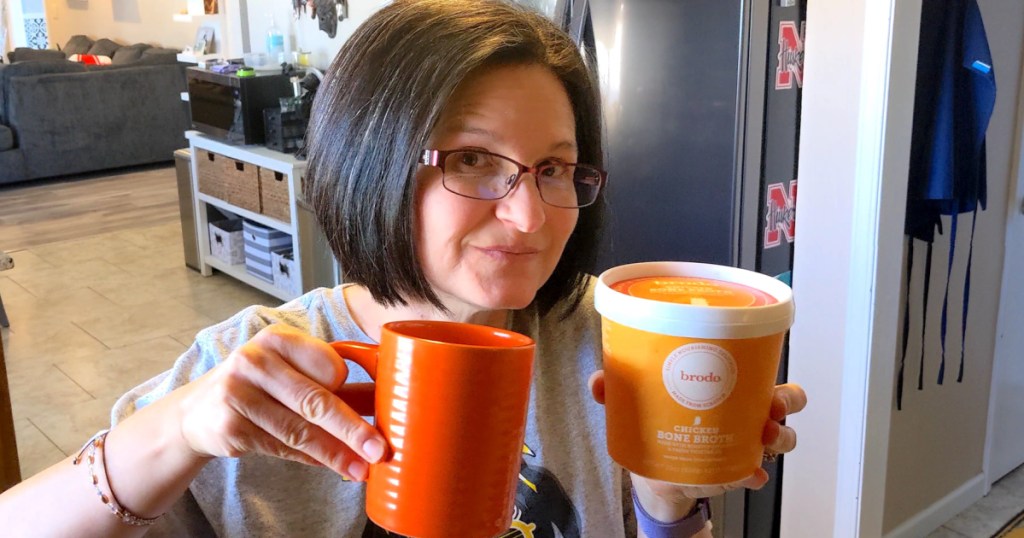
[757, 480]
[783, 441]
[310, 356]
[227, 416]
[264, 443]
[279, 431]
[596, 383]
[312, 404]
[275, 395]
[788, 399]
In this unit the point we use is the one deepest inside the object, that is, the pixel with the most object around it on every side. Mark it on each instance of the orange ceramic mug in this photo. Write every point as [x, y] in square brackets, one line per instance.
[691, 353]
[451, 401]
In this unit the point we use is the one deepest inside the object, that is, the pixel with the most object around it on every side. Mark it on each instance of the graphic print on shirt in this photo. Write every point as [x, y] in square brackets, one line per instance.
[541, 507]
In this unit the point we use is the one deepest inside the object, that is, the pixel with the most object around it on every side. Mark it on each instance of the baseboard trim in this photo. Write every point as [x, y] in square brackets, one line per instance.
[946, 508]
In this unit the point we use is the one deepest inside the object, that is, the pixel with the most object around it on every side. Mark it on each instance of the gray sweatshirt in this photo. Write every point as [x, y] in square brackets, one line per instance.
[568, 485]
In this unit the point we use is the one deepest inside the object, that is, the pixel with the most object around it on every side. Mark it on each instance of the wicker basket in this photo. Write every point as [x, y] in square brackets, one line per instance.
[274, 195]
[243, 184]
[235, 182]
[210, 179]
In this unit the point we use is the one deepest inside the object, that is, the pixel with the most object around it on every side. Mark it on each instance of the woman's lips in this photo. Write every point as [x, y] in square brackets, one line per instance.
[508, 251]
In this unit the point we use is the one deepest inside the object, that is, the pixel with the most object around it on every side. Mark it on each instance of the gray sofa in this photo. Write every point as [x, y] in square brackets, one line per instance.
[59, 117]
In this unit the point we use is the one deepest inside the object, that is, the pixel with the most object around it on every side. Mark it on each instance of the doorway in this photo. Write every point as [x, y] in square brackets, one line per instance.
[1005, 438]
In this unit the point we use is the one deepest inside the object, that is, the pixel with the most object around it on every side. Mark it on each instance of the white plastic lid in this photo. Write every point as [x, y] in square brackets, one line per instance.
[676, 319]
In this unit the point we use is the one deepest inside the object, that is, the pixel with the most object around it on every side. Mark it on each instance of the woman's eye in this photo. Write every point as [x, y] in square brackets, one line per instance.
[554, 170]
[469, 159]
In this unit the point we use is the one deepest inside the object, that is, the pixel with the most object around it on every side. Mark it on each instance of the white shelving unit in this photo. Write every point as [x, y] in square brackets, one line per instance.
[267, 159]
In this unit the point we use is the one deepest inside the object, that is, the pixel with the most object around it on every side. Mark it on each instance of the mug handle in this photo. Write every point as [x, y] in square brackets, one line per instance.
[359, 396]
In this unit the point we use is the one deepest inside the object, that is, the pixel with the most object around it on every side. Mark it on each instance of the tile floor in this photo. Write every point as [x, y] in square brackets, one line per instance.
[94, 316]
[988, 515]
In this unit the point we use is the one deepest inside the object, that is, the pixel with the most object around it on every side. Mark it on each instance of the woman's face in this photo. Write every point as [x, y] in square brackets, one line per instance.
[495, 254]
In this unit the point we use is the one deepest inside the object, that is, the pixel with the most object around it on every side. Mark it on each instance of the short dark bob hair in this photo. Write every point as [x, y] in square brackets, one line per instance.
[379, 101]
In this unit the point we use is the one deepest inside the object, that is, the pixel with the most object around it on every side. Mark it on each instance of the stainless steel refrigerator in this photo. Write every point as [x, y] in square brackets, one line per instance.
[701, 114]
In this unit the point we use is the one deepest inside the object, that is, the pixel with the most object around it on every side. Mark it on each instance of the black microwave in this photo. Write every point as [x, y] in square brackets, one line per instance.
[231, 107]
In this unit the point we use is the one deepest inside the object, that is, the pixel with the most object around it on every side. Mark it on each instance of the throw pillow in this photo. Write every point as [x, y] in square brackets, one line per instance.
[159, 56]
[78, 44]
[129, 54]
[158, 51]
[104, 47]
[90, 59]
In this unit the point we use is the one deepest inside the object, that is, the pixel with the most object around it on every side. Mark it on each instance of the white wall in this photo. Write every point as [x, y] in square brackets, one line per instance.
[854, 151]
[32, 6]
[936, 443]
[863, 469]
[304, 34]
[124, 21]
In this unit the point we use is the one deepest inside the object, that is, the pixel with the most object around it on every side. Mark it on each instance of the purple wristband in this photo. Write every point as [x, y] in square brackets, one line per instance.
[685, 527]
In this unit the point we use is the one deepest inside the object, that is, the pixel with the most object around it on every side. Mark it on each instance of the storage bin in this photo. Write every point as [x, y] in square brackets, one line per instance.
[274, 195]
[284, 269]
[259, 270]
[264, 237]
[235, 182]
[284, 130]
[226, 241]
[259, 242]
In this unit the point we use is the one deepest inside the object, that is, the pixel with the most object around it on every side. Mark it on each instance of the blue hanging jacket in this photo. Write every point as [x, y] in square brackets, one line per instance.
[955, 95]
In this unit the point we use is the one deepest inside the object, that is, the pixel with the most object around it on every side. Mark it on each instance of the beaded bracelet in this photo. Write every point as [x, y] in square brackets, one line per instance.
[94, 444]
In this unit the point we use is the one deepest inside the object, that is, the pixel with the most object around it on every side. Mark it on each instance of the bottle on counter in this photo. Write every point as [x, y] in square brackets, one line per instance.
[275, 42]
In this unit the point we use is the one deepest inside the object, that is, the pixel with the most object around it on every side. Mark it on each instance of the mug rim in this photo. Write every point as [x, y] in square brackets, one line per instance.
[515, 340]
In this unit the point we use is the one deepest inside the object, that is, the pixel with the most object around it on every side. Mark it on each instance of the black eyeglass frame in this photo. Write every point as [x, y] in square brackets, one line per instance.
[437, 157]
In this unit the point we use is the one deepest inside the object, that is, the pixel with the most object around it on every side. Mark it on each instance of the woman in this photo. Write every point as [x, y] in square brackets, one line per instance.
[425, 105]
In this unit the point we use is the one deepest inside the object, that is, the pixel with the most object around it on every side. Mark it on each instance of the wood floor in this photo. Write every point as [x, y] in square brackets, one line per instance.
[46, 211]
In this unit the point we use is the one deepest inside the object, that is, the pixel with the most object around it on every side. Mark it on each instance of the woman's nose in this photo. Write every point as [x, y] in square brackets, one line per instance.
[523, 206]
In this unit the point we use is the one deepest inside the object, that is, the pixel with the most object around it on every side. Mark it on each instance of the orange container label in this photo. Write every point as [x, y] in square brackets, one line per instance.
[687, 410]
[694, 291]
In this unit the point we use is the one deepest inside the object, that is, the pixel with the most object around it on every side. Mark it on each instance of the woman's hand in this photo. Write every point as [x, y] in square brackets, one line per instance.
[669, 502]
[276, 395]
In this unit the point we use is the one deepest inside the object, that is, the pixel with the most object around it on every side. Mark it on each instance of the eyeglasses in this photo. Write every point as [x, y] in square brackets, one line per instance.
[488, 176]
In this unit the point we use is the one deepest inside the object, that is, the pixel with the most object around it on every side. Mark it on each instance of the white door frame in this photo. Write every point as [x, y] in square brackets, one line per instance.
[857, 114]
[15, 25]
[1004, 351]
